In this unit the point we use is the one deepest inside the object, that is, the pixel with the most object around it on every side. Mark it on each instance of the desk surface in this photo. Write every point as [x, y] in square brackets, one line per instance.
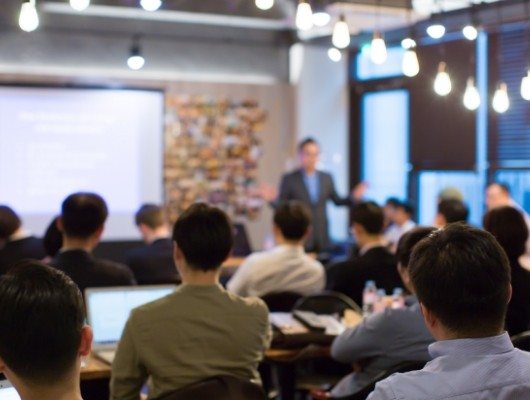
[94, 368]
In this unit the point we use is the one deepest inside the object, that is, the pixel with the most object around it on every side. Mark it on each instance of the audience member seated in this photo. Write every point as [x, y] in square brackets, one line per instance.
[15, 243]
[401, 224]
[461, 276]
[375, 262]
[285, 268]
[153, 263]
[199, 331]
[498, 195]
[42, 336]
[450, 211]
[385, 339]
[389, 209]
[509, 228]
[52, 240]
[82, 222]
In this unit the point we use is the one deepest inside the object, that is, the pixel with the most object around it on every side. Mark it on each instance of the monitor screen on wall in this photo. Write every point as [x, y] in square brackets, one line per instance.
[56, 141]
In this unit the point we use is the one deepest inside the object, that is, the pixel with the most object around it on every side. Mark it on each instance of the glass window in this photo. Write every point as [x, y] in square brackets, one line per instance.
[365, 69]
[431, 183]
[385, 143]
[519, 183]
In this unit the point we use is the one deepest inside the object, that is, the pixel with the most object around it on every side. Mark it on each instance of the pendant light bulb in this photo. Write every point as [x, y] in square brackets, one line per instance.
[79, 5]
[436, 31]
[501, 101]
[151, 5]
[471, 96]
[334, 54]
[264, 4]
[28, 19]
[470, 32]
[341, 33]
[525, 87]
[378, 53]
[135, 61]
[411, 65]
[304, 16]
[442, 83]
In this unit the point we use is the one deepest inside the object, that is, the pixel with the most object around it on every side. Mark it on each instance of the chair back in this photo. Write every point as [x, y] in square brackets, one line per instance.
[222, 387]
[327, 302]
[522, 341]
[281, 301]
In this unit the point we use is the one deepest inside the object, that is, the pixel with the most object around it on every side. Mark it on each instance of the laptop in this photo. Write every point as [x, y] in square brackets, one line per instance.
[7, 391]
[108, 310]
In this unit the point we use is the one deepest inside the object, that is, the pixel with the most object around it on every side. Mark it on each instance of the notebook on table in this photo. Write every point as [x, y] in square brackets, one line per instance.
[7, 391]
[108, 310]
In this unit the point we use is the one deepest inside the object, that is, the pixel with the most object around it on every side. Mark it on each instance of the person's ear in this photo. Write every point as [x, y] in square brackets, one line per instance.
[143, 228]
[85, 347]
[439, 220]
[307, 233]
[2, 365]
[59, 224]
[99, 232]
[430, 319]
[177, 253]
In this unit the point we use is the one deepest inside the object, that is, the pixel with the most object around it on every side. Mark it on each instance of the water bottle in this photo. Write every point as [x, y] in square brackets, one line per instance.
[398, 300]
[369, 298]
[380, 304]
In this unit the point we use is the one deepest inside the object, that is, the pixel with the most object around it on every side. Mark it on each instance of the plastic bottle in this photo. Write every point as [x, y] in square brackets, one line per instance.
[380, 304]
[398, 300]
[369, 298]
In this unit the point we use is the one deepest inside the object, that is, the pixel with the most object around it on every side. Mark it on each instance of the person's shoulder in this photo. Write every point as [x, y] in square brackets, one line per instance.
[252, 304]
[409, 385]
[152, 310]
[292, 174]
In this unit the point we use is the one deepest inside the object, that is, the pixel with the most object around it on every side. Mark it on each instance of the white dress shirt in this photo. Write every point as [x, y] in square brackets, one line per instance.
[395, 231]
[464, 369]
[285, 268]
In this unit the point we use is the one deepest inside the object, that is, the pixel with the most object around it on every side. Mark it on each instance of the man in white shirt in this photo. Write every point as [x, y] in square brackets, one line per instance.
[402, 223]
[285, 268]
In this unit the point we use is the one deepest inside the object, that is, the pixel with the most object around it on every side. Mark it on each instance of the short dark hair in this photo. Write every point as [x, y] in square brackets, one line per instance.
[83, 214]
[53, 239]
[392, 202]
[508, 226]
[205, 236]
[453, 211]
[293, 219]
[462, 275]
[42, 316]
[405, 206]
[151, 215]
[408, 241]
[305, 142]
[9, 221]
[370, 216]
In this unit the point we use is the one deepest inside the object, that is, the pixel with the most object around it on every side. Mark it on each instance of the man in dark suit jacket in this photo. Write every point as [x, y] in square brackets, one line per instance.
[82, 222]
[374, 262]
[314, 188]
[153, 263]
[15, 243]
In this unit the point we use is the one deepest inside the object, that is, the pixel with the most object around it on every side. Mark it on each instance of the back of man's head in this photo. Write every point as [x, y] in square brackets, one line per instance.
[205, 236]
[42, 316]
[150, 215]
[508, 226]
[453, 211]
[9, 222]
[292, 219]
[83, 214]
[408, 241]
[370, 216]
[462, 276]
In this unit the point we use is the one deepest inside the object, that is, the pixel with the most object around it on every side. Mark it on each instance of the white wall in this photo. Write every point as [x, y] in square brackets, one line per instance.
[321, 93]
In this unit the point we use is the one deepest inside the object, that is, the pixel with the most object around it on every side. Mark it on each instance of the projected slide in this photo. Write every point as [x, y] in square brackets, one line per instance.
[57, 141]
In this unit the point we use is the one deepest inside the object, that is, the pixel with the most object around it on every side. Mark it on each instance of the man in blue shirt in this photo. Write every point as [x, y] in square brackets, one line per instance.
[461, 277]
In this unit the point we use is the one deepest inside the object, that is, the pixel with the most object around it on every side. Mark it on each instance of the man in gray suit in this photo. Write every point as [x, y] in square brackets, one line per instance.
[314, 188]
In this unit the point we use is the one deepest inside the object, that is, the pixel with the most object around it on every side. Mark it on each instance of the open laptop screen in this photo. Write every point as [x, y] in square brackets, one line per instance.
[108, 308]
[7, 392]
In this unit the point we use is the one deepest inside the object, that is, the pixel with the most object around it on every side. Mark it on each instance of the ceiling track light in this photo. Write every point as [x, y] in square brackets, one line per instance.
[79, 5]
[341, 33]
[151, 5]
[136, 60]
[28, 19]
[304, 16]
[442, 83]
